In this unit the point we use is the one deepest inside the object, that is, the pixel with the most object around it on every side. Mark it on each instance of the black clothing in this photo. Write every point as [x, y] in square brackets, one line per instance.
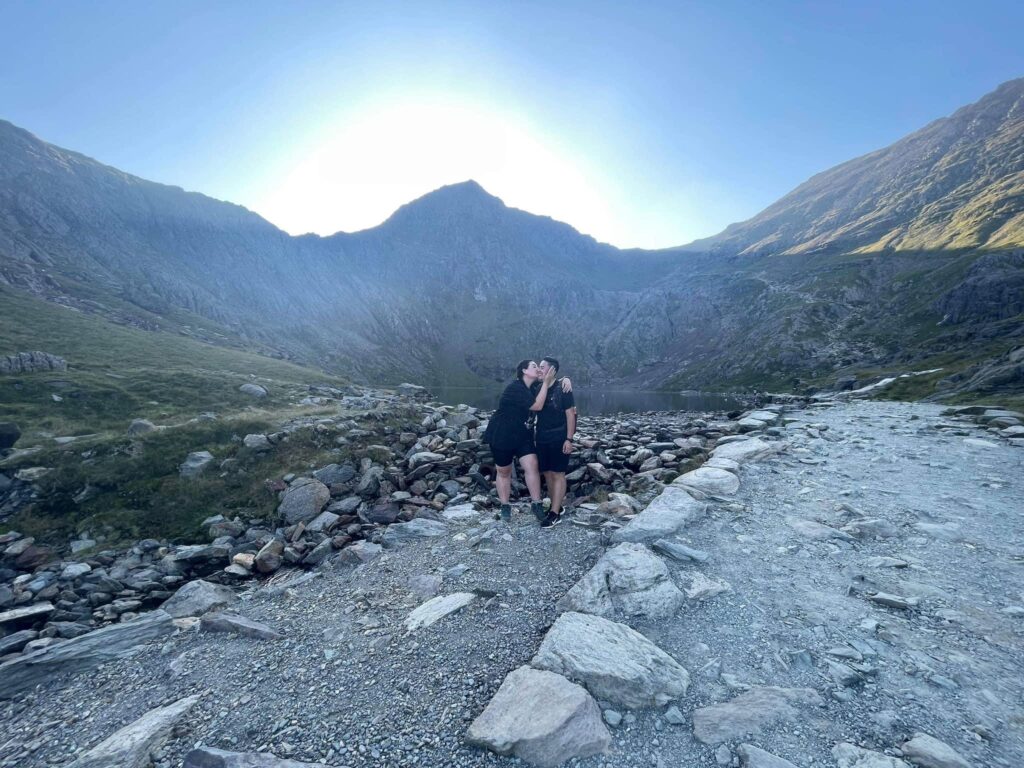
[504, 456]
[551, 459]
[507, 432]
[552, 425]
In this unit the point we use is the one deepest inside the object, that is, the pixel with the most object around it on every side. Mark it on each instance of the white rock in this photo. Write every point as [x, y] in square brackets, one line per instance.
[850, 756]
[750, 712]
[928, 752]
[460, 512]
[710, 480]
[703, 588]
[541, 718]
[437, 608]
[195, 463]
[130, 746]
[745, 451]
[257, 443]
[198, 597]
[629, 580]
[670, 510]
[612, 661]
[753, 757]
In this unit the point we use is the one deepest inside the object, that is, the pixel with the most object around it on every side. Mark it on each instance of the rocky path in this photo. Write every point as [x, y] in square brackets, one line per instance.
[856, 599]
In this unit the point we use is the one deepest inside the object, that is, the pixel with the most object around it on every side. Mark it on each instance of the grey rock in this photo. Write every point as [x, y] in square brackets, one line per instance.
[15, 641]
[928, 752]
[223, 621]
[270, 557]
[27, 614]
[672, 509]
[208, 757]
[84, 652]
[750, 712]
[674, 716]
[336, 474]
[72, 571]
[303, 500]
[612, 661]
[323, 522]
[754, 757]
[627, 580]
[710, 481]
[437, 608]
[130, 747]
[425, 585]
[30, 362]
[679, 551]
[850, 756]
[195, 464]
[140, 427]
[420, 528]
[253, 390]
[360, 552]
[745, 451]
[257, 443]
[541, 718]
[816, 531]
[198, 597]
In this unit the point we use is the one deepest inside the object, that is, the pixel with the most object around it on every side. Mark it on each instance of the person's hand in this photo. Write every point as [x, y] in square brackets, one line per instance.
[567, 447]
[549, 377]
[566, 384]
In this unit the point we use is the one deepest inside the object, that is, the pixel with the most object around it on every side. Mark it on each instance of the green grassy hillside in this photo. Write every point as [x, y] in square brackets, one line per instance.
[118, 373]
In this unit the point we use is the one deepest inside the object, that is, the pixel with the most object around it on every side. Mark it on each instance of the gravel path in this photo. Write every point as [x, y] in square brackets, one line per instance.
[349, 686]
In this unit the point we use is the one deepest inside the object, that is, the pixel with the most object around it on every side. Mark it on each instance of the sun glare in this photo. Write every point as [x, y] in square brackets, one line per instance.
[363, 167]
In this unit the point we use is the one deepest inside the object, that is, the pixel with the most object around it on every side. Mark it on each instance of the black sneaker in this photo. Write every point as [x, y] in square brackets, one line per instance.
[550, 520]
[538, 511]
[506, 513]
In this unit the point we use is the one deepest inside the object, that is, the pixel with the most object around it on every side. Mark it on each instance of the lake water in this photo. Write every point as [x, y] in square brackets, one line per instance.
[601, 402]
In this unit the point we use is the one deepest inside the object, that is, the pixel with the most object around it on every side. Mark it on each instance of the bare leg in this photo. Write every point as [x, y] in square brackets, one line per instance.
[549, 480]
[556, 487]
[532, 476]
[503, 482]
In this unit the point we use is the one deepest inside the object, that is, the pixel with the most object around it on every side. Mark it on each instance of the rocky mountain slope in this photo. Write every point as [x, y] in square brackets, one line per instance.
[956, 183]
[902, 258]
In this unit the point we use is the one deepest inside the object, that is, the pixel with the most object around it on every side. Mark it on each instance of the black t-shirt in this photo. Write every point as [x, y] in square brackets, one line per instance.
[552, 425]
[507, 428]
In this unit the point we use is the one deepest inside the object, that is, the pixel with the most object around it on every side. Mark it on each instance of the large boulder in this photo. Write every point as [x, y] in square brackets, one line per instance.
[31, 362]
[745, 451]
[130, 747]
[541, 718]
[670, 510]
[710, 481]
[628, 580]
[612, 661]
[750, 712]
[140, 427]
[303, 501]
[84, 652]
[198, 597]
[253, 390]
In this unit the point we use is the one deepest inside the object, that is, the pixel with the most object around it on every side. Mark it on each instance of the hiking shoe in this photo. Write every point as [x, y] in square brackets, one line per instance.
[506, 513]
[550, 520]
[538, 511]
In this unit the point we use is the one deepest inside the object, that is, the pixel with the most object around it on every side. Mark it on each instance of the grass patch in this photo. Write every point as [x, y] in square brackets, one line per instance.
[118, 373]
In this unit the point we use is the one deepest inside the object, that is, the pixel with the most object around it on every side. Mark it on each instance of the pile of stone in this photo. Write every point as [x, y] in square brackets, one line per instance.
[999, 422]
[398, 482]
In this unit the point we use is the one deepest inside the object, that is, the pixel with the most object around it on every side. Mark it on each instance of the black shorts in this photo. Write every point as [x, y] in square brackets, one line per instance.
[550, 457]
[505, 456]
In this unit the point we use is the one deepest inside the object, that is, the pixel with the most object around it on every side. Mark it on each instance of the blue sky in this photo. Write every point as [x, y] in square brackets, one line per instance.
[649, 124]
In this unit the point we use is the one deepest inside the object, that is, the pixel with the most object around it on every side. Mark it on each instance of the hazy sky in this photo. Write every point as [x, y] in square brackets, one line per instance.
[645, 124]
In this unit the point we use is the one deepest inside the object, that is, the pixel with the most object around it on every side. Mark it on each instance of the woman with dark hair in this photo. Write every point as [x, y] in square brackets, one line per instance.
[510, 437]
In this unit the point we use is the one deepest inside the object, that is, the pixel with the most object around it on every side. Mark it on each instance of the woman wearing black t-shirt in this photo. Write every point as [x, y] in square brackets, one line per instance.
[511, 438]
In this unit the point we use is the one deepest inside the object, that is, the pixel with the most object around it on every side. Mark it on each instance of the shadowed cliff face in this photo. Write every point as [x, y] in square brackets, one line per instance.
[871, 264]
